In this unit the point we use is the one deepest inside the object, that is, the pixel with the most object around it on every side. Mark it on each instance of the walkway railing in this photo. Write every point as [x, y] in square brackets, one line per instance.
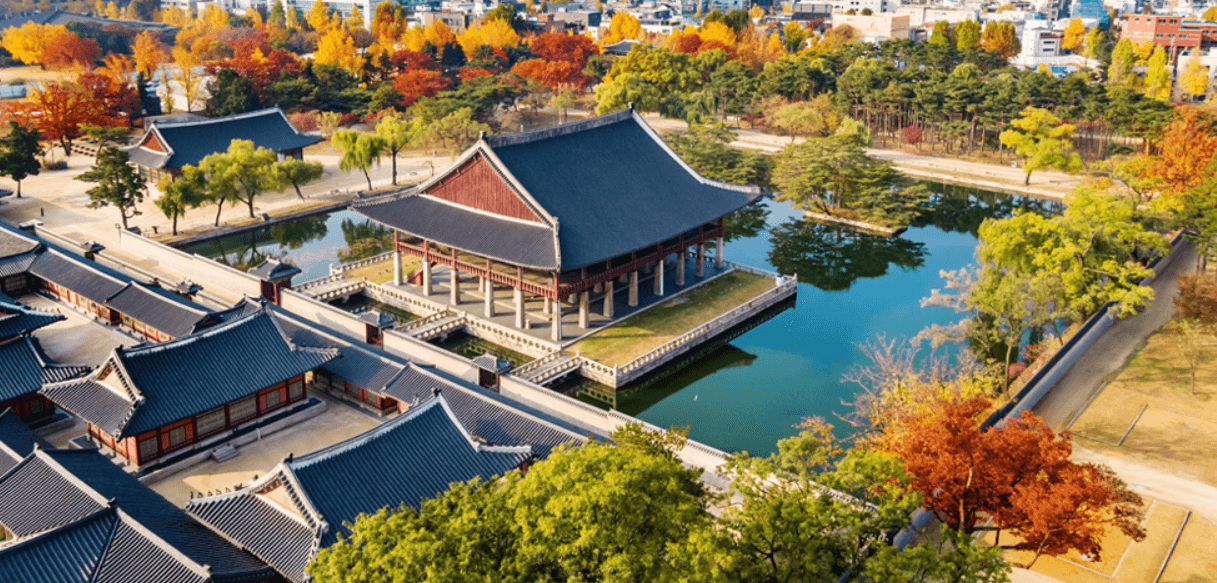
[783, 285]
[344, 267]
[316, 283]
[524, 369]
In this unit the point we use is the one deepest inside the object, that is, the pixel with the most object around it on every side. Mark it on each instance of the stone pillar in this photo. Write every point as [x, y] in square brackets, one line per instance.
[680, 268]
[633, 289]
[454, 287]
[599, 288]
[583, 298]
[608, 299]
[718, 253]
[557, 328]
[701, 260]
[426, 278]
[658, 288]
[546, 308]
[519, 296]
[489, 285]
[397, 268]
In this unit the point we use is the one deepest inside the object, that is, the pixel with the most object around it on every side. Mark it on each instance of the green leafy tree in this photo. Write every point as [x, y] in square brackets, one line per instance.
[941, 34]
[1043, 141]
[231, 94]
[1158, 80]
[188, 190]
[455, 131]
[247, 172]
[1123, 58]
[359, 150]
[118, 184]
[397, 134]
[818, 117]
[705, 148]
[967, 35]
[298, 173]
[19, 152]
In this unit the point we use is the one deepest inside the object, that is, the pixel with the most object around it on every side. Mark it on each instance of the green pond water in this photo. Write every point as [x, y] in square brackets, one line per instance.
[749, 392]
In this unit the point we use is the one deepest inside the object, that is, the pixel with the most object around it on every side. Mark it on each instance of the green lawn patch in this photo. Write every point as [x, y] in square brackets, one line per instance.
[639, 334]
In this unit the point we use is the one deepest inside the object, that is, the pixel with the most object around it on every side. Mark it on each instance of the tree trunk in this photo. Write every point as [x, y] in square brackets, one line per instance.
[219, 209]
[369, 179]
[123, 212]
[1027, 180]
[394, 157]
[18, 189]
[174, 225]
[250, 202]
[298, 193]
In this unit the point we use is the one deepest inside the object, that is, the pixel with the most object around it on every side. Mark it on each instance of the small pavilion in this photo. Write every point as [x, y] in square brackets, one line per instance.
[561, 213]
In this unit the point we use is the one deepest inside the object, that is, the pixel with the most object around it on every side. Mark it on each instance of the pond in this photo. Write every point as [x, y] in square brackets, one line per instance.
[311, 243]
[853, 286]
[750, 392]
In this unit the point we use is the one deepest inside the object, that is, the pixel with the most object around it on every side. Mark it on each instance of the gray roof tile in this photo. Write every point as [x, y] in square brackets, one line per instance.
[160, 309]
[18, 319]
[191, 141]
[26, 369]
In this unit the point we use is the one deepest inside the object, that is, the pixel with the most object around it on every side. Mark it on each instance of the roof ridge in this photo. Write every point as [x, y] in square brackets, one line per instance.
[211, 120]
[486, 399]
[208, 333]
[32, 538]
[646, 127]
[366, 437]
[517, 138]
[199, 569]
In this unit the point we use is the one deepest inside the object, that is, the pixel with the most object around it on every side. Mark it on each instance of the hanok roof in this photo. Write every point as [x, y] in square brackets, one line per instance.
[83, 277]
[26, 370]
[16, 440]
[587, 192]
[51, 501]
[161, 309]
[16, 253]
[273, 269]
[17, 319]
[414, 456]
[492, 363]
[188, 142]
[146, 387]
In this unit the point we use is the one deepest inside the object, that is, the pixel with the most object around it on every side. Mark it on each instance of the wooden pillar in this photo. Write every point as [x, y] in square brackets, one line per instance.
[489, 285]
[426, 278]
[633, 300]
[396, 267]
[519, 296]
[608, 299]
[658, 288]
[583, 299]
[700, 271]
[557, 328]
[680, 267]
[718, 253]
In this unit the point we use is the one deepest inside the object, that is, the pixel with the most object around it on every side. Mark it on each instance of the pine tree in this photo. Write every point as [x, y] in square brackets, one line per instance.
[19, 156]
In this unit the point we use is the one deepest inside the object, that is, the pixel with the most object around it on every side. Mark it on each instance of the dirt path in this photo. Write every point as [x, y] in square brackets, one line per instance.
[1157, 483]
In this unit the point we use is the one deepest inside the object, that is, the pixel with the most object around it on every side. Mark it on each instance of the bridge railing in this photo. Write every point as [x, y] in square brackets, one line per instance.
[344, 267]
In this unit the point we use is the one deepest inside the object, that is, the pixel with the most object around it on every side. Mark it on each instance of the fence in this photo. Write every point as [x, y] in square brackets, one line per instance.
[344, 267]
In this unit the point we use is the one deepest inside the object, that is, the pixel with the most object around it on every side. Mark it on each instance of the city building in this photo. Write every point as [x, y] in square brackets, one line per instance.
[73, 515]
[167, 146]
[303, 505]
[876, 26]
[929, 15]
[1172, 33]
[149, 402]
[561, 213]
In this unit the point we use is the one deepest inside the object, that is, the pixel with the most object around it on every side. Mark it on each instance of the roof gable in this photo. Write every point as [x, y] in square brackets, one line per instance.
[189, 142]
[25, 369]
[474, 183]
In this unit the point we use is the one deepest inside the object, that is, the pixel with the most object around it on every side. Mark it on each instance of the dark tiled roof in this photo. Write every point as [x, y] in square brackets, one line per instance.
[18, 319]
[160, 309]
[14, 242]
[191, 375]
[190, 141]
[14, 264]
[159, 516]
[16, 440]
[609, 182]
[273, 269]
[66, 555]
[25, 369]
[414, 456]
[613, 185]
[517, 242]
[81, 276]
[36, 496]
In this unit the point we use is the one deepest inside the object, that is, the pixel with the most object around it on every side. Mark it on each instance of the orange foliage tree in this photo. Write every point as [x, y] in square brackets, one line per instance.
[66, 50]
[684, 42]
[552, 74]
[148, 52]
[1019, 475]
[417, 83]
[58, 109]
[1186, 149]
[118, 99]
[27, 42]
[255, 60]
[406, 59]
[574, 48]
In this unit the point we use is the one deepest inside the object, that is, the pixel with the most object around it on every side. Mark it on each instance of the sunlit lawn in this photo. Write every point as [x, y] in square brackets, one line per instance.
[382, 271]
[634, 336]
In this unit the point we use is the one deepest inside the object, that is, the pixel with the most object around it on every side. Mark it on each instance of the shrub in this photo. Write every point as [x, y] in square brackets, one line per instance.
[305, 121]
[1197, 299]
[349, 119]
[54, 164]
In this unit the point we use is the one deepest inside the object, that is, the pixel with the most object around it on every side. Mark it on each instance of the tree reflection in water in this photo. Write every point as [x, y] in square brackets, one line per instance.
[294, 234]
[364, 239]
[832, 258]
[959, 209]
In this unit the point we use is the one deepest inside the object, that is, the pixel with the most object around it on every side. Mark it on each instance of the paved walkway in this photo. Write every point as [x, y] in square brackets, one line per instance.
[1115, 347]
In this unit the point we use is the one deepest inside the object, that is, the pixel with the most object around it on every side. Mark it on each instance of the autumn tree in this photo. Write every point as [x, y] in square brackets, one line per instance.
[65, 50]
[1123, 58]
[1182, 156]
[28, 42]
[359, 150]
[1158, 80]
[999, 37]
[623, 26]
[942, 35]
[552, 74]
[1020, 476]
[297, 173]
[58, 109]
[967, 35]
[186, 63]
[247, 171]
[553, 46]
[187, 190]
[19, 152]
[1195, 78]
[119, 184]
[338, 47]
[1043, 141]
[1075, 35]
[416, 83]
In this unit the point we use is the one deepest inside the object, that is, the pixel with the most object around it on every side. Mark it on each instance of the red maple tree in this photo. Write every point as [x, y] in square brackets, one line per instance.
[686, 43]
[552, 74]
[405, 60]
[1018, 475]
[58, 109]
[254, 59]
[574, 48]
[417, 83]
[66, 50]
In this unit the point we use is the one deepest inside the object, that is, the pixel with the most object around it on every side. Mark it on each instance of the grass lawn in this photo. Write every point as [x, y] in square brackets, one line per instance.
[1194, 560]
[382, 271]
[9, 75]
[634, 336]
[1178, 430]
[1122, 561]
